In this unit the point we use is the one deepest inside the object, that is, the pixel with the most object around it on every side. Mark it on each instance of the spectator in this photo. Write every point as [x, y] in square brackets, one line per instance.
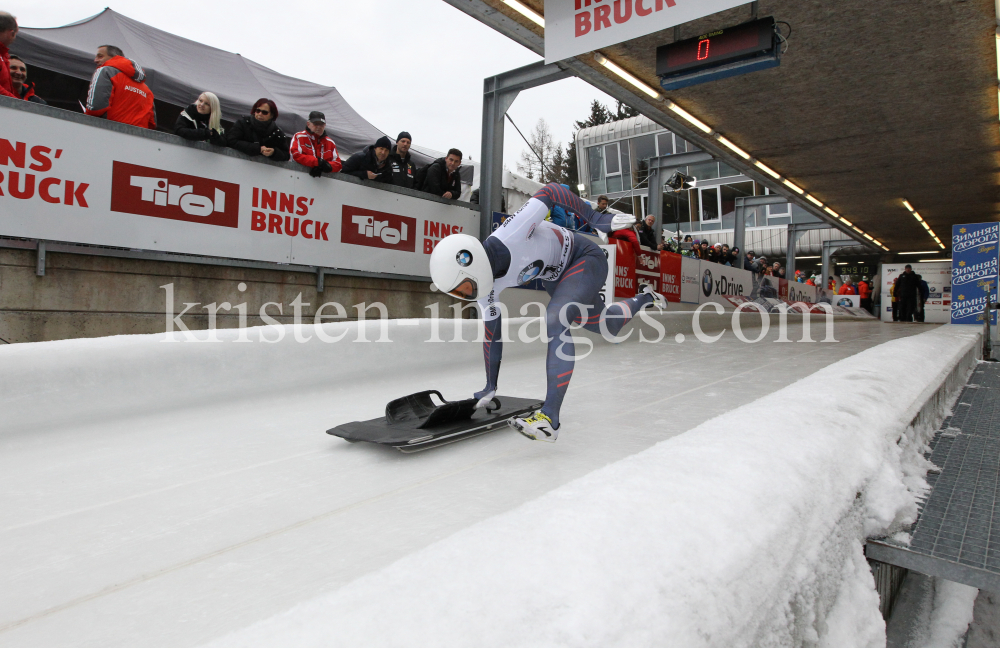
[775, 268]
[704, 248]
[372, 163]
[315, 149]
[8, 32]
[441, 176]
[404, 171]
[602, 204]
[812, 281]
[924, 292]
[19, 81]
[711, 254]
[734, 257]
[781, 273]
[865, 292]
[848, 287]
[647, 235]
[894, 295]
[258, 134]
[202, 121]
[727, 255]
[117, 91]
[765, 268]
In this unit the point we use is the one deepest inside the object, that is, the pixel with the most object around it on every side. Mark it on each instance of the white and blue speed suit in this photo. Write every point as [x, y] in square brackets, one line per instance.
[572, 269]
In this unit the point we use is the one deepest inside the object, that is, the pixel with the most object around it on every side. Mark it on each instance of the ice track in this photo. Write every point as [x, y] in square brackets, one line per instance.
[166, 494]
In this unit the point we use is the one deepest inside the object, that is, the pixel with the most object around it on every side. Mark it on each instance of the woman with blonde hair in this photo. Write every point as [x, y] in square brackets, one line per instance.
[202, 121]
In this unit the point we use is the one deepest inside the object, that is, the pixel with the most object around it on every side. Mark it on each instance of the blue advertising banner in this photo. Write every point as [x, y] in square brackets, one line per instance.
[975, 263]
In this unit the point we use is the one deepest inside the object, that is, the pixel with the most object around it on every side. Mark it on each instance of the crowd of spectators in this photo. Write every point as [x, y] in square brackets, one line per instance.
[118, 93]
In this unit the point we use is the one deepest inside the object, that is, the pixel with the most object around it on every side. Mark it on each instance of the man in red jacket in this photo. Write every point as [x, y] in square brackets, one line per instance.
[8, 32]
[117, 90]
[313, 148]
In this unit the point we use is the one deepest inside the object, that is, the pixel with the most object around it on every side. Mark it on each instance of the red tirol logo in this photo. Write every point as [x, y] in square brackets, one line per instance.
[378, 229]
[175, 196]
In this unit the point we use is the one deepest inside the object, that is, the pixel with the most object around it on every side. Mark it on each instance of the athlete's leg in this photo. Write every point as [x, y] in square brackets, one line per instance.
[576, 299]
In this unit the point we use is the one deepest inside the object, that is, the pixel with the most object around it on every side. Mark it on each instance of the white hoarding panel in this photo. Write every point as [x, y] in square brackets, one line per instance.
[64, 181]
[573, 27]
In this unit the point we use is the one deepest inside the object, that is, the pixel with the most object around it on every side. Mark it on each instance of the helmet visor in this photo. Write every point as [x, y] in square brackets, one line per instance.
[467, 289]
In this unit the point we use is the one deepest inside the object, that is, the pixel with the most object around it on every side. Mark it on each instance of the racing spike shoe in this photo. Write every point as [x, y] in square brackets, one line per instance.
[658, 300]
[537, 427]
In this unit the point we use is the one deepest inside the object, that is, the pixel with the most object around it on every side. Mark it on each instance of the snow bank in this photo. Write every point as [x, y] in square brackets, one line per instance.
[149, 374]
[745, 531]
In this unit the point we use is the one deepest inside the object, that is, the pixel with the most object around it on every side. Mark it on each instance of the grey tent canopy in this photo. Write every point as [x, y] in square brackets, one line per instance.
[178, 70]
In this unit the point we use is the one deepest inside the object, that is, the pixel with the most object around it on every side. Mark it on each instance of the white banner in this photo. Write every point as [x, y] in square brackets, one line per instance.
[64, 181]
[718, 282]
[573, 27]
[937, 274]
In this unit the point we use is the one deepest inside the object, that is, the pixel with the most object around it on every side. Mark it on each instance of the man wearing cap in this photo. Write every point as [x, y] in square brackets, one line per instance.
[315, 149]
[372, 163]
[403, 169]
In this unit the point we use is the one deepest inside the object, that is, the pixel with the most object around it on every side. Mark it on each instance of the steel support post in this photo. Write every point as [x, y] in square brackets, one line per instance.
[740, 226]
[40, 260]
[499, 93]
[828, 248]
[795, 232]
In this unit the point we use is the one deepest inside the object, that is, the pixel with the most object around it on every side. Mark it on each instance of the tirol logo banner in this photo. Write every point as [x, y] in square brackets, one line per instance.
[175, 196]
[378, 229]
[574, 27]
[975, 266]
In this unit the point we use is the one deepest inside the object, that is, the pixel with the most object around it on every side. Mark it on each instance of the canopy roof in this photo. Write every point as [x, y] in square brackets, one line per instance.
[179, 69]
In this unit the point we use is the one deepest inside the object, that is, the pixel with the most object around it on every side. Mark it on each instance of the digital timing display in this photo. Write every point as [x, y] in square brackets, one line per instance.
[716, 48]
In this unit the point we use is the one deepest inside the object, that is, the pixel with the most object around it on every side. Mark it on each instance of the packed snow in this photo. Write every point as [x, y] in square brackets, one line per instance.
[745, 531]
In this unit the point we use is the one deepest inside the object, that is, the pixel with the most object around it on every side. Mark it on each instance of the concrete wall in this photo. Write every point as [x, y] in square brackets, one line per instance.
[93, 296]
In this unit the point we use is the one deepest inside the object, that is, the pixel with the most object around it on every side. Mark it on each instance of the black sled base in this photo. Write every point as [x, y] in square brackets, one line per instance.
[415, 422]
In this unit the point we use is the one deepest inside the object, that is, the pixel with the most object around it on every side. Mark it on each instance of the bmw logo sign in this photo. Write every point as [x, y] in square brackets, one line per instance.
[706, 283]
[464, 258]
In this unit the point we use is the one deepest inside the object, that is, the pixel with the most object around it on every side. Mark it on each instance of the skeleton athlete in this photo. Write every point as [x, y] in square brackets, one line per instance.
[572, 269]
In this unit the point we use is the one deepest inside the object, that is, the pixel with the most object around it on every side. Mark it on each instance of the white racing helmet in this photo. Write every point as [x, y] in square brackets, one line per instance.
[460, 267]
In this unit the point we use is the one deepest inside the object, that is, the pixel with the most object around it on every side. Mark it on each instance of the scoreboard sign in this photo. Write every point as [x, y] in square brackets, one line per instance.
[574, 27]
[719, 54]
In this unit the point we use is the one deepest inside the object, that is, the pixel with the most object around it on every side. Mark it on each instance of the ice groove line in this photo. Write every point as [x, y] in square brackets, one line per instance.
[112, 589]
[157, 491]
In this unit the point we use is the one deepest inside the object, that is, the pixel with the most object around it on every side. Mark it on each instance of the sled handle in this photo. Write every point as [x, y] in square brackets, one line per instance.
[493, 400]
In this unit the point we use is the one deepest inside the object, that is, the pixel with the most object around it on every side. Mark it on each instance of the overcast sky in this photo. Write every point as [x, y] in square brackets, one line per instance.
[415, 65]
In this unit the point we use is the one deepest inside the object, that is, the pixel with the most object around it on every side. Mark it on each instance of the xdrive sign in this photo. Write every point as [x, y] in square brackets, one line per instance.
[573, 27]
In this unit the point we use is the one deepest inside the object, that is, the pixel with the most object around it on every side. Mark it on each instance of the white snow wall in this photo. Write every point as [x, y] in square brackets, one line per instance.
[148, 374]
[745, 531]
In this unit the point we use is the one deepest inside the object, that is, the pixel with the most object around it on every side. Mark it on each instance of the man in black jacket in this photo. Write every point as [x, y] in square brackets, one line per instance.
[908, 290]
[371, 163]
[442, 176]
[404, 171]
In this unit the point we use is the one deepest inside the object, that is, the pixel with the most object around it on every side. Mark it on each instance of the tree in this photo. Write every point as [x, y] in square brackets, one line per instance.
[536, 160]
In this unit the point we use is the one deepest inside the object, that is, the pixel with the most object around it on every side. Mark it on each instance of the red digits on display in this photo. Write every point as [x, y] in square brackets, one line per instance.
[703, 49]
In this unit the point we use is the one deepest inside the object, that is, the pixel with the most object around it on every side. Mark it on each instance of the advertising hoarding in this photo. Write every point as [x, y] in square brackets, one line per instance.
[65, 181]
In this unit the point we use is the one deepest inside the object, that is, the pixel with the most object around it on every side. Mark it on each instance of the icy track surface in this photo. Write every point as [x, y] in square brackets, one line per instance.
[170, 494]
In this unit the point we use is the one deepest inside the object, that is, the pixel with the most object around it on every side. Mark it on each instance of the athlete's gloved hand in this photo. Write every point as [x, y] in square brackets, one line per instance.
[316, 171]
[485, 397]
[621, 221]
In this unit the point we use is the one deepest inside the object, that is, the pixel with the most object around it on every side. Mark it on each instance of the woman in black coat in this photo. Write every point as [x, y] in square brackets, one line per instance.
[258, 134]
[201, 121]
